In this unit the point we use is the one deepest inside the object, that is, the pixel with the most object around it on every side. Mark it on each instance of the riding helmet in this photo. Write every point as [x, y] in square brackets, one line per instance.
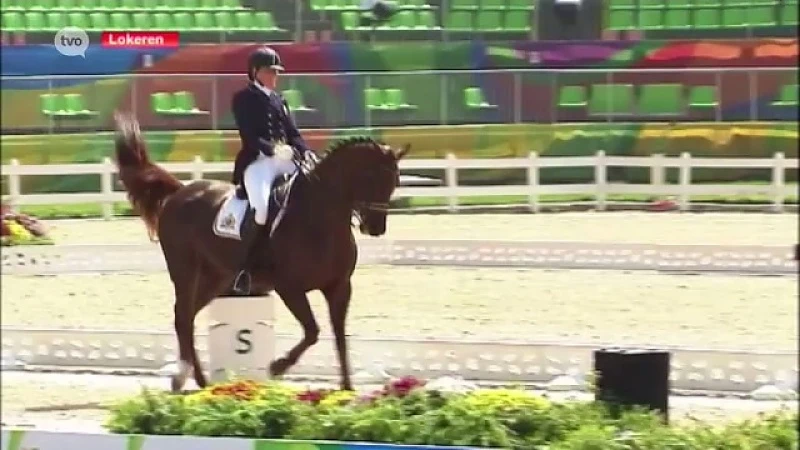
[263, 57]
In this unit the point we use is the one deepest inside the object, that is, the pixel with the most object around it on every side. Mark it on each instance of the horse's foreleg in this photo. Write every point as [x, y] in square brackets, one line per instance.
[338, 298]
[297, 303]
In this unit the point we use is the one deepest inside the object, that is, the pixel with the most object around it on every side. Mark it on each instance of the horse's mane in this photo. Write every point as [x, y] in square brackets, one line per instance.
[358, 141]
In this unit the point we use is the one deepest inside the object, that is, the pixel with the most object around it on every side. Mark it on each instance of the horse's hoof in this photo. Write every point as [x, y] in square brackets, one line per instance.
[176, 385]
[278, 367]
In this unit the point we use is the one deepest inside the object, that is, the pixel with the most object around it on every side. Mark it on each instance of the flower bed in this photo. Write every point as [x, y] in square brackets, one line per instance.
[408, 411]
[21, 229]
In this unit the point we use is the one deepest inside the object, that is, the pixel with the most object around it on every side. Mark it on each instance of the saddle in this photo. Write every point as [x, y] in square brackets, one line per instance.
[236, 211]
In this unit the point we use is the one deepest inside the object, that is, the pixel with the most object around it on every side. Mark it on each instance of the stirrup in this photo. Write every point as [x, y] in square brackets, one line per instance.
[241, 285]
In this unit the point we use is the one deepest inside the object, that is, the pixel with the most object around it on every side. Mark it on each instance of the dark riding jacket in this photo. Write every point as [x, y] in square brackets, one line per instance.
[262, 122]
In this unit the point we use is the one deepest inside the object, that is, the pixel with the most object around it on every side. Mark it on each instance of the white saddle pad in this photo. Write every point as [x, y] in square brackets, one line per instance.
[230, 216]
[229, 219]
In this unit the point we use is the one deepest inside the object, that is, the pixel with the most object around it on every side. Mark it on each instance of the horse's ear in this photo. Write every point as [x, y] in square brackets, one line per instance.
[403, 151]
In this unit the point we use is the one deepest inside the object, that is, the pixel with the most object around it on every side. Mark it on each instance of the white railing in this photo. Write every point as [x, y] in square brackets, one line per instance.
[600, 188]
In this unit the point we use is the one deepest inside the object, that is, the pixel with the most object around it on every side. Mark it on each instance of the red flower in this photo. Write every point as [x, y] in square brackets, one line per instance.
[313, 396]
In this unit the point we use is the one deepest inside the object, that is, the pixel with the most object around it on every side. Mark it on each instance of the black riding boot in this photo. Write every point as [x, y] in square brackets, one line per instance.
[241, 285]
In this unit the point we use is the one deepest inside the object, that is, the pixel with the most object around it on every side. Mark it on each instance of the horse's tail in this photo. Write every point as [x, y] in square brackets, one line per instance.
[147, 184]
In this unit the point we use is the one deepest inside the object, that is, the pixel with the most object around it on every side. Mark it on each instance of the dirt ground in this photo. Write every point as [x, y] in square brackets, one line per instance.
[484, 303]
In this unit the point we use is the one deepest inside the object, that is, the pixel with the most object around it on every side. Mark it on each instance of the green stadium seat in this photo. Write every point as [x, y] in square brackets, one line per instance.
[263, 21]
[572, 97]
[129, 5]
[151, 5]
[120, 21]
[318, 5]
[493, 5]
[517, 21]
[76, 106]
[350, 21]
[661, 99]
[183, 21]
[99, 21]
[338, 5]
[396, 99]
[652, 4]
[56, 20]
[464, 4]
[12, 21]
[708, 3]
[34, 21]
[13, 5]
[191, 5]
[78, 19]
[703, 97]
[42, 5]
[788, 96]
[244, 20]
[51, 105]
[163, 21]
[230, 4]
[374, 100]
[474, 99]
[761, 16]
[734, 17]
[611, 99]
[679, 4]
[162, 103]
[621, 19]
[210, 4]
[224, 20]
[489, 21]
[142, 21]
[706, 18]
[403, 20]
[185, 104]
[106, 5]
[789, 13]
[651, 19]
[677, 18]
[522, 5]
[70, 5]
[459, 21]
[204, 22]
[426, 20]
[295, 100]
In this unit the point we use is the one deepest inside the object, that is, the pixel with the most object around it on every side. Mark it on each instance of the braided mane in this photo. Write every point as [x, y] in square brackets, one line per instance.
[359, 141]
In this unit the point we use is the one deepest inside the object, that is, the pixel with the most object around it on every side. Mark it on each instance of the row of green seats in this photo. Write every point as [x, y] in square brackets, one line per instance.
[402, 21]
[788, 96]
[353, 5]
[684, 18]
[182, 21]
[488, 21]
[180, 103]
[394, 100]
[654, 99]
[522, 5]
[294, 98]
[111, 5]
[660, 4]
[70, 105]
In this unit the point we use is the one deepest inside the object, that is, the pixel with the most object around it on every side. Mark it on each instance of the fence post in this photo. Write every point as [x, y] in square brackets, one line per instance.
[451, 178]
[14, 184]
[600, 180]
[778, 182]
[685, 180]
[197, 170]
[533, 181]
[106, 187]
[657, 171]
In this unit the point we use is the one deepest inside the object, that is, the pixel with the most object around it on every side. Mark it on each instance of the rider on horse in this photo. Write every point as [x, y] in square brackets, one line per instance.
[269, 138]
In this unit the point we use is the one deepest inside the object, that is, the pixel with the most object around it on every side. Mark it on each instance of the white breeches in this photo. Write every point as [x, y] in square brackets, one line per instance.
[258, 179]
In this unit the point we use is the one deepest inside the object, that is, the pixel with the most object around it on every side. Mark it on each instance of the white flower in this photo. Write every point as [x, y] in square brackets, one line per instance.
[284, 152]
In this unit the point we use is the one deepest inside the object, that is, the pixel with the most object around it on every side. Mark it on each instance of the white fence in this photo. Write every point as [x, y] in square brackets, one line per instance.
[601, 188]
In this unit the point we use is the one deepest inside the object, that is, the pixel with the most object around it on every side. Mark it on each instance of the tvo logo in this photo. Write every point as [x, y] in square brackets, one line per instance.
[71, 41]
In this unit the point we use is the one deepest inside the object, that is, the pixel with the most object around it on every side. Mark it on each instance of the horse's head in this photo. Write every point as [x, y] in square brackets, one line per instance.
[368, 173]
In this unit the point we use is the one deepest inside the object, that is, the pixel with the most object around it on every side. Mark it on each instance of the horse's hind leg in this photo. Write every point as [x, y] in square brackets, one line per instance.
[209, 286]
[297, 303]
[183, 270]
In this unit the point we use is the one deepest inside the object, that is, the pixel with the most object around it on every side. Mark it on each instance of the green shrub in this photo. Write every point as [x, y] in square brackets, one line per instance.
[404, 412]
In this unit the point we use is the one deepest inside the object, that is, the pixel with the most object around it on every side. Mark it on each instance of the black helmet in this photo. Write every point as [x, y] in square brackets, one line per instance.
[263, 57]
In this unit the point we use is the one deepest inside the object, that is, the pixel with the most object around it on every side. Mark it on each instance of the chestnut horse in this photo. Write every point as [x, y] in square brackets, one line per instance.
[313, 248]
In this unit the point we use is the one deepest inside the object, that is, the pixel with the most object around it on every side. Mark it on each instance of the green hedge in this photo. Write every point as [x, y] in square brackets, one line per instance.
[407, 412]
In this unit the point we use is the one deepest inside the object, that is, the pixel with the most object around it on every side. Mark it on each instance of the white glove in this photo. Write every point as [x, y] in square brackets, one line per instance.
[283, 152]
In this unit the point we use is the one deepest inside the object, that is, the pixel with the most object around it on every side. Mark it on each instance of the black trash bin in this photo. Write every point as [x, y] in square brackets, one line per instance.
[633, 377]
